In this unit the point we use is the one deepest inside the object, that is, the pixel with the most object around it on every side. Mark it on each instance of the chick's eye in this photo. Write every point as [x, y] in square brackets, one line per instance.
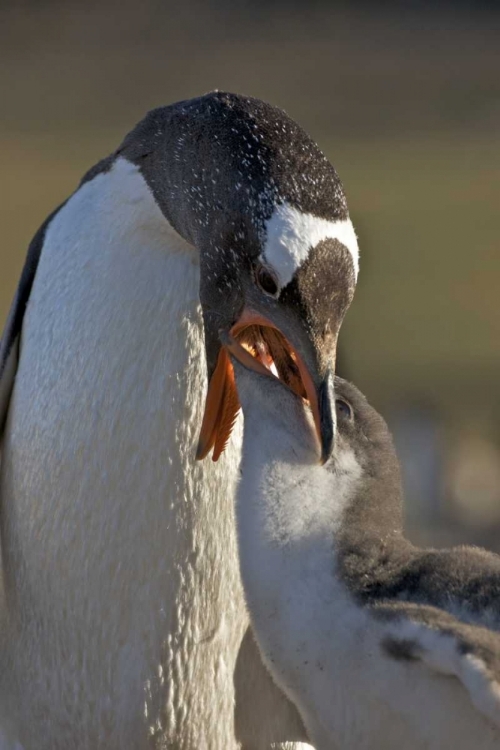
[267, 281]
[343, 409]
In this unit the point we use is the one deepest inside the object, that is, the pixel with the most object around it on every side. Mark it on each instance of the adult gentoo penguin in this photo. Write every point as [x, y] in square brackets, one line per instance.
[381, 645]
[124, 612]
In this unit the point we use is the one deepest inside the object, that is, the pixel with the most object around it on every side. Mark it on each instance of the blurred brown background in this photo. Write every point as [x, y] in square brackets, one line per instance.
[404, 98]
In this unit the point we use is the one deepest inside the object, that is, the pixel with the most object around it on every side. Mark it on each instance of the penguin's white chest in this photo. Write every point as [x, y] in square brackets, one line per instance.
[119, 546]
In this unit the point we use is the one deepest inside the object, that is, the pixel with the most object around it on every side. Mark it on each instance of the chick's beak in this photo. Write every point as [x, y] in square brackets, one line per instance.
[326, 408]
[222, 404]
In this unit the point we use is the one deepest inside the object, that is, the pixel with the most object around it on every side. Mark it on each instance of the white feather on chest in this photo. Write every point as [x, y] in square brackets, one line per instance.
[113, 535]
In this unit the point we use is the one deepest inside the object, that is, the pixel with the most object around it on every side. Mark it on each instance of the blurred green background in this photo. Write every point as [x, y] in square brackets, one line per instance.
[404, 98]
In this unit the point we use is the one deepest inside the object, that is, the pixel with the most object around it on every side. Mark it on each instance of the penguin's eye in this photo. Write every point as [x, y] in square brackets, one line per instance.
[343, 409]
[267, 281]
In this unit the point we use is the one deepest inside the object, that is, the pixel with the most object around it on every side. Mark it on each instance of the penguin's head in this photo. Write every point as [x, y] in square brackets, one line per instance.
[360, 485]
[283, 296]
[278, 260]
[282, 425]
[244, 184]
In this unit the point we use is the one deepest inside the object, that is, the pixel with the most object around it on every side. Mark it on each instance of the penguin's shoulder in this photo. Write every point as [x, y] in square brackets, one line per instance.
[9, 344]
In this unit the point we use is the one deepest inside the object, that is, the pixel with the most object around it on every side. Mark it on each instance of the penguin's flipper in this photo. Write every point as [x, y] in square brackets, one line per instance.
[447, 646]
[9, 355]
[11, 338]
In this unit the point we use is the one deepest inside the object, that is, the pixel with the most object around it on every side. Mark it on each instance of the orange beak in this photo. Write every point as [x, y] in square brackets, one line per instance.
[222, 404]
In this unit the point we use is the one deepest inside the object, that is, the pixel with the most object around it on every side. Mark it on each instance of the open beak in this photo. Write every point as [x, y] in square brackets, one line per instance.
[222, 404]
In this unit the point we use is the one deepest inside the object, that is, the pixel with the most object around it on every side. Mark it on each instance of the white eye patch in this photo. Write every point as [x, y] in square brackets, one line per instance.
[290, 235]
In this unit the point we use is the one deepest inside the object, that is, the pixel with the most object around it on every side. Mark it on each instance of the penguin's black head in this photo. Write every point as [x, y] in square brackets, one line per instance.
[246, 185]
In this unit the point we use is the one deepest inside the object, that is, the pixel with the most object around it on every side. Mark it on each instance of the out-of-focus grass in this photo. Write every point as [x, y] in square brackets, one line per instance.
[426, 318]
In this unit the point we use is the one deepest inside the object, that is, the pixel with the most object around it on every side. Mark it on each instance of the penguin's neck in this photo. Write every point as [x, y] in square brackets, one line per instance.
[297, 526]
[288, 517]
